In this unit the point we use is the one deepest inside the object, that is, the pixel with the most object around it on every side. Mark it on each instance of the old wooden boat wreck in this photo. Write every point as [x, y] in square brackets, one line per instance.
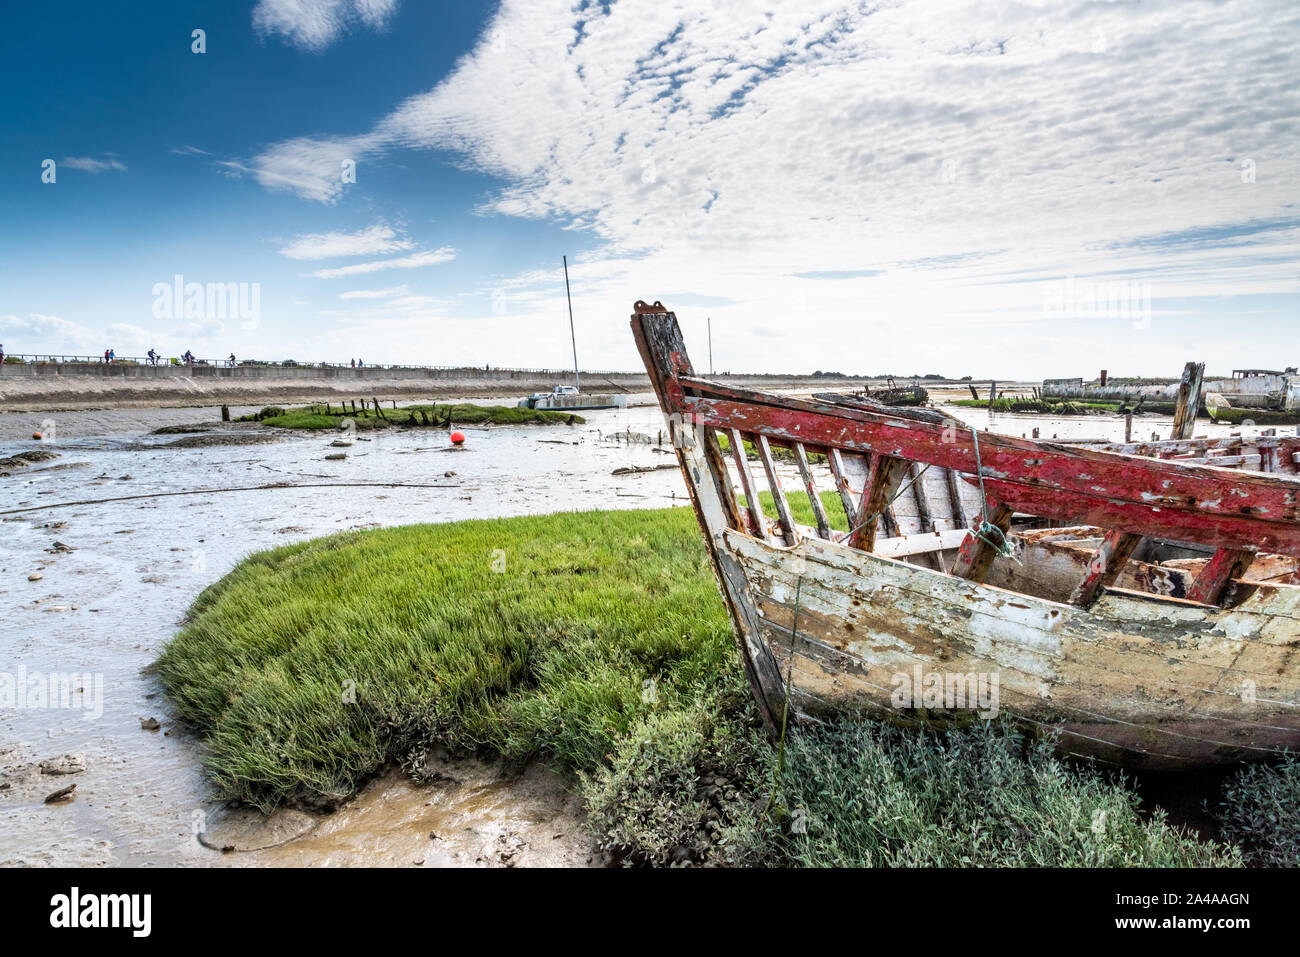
[1143, 600]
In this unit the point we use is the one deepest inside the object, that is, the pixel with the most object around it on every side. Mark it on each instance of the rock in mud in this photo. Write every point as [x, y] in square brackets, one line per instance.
[336, 456]
[35, 577]
[23, 459]
[64, 764]
[149, 724]
[61, 796]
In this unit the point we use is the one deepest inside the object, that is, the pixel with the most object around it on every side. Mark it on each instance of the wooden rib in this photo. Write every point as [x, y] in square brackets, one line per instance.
[1213, 580]
[1104, 568]
[778, 494]
[954, 500]
[976, 555]
[819, 512]
[842, 484]
[883, 478]
[757, 522]
[915, 475]
[718, 465]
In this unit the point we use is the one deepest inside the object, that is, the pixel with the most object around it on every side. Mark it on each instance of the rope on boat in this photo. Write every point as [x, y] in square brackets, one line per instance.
[987, 528]
[877, 514]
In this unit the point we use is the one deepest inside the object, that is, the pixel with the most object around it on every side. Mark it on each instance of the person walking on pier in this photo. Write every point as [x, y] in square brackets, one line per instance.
[231, 360]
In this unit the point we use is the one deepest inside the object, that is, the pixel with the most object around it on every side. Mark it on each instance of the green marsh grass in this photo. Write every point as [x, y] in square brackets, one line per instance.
[315, 417]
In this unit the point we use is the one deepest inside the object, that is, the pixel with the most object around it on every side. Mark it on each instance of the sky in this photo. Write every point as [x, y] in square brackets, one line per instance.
[1015, 190]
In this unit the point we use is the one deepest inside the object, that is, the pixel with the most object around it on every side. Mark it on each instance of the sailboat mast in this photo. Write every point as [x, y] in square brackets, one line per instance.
[577, 380]
[709, 319]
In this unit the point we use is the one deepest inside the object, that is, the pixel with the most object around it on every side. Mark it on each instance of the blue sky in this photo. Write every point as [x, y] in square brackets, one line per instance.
[1041, 190]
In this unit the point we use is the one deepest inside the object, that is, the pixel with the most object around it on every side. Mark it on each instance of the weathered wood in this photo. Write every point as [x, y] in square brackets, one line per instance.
[707, 481]
[778, 494]
[1140, 677]
[959, 518]
[1107, 563]
[914, 475]
[757, 520]
[883, 478]
[1132, 675]
[977, 554]
[836, 461]
[819, 510]
[1213, 580]
[1141, 495]
[1189, 400]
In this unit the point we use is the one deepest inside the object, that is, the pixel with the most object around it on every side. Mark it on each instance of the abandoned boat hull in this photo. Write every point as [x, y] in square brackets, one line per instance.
[574, 403]
[1136, 678]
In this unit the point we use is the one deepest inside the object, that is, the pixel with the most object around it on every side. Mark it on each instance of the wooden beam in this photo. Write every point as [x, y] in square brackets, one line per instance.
[1189, 400]
[883, 478]
[1213, 580]
[958, 507]
[976, 555]
[1104, 568]
[915, 474]
[778, 494]
[819, 511]
[758, 523]
[842, 484]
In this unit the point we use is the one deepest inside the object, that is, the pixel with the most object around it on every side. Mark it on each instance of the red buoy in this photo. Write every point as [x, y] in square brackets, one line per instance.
[37, 436]
[458, 438]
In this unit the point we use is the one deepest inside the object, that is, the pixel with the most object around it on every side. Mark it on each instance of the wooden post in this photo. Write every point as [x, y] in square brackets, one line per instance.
[1128, 427]
[993, 394]
[225, 413]
[378, 411]
[1107, 562]
[1189, 400]
[883, 478]
[976, 555]
[974, 393]
[1213, 581]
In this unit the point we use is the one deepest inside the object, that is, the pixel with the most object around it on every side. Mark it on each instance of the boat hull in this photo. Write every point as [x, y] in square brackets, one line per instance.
[575, 403]
[1065, 633]
[1137, 680]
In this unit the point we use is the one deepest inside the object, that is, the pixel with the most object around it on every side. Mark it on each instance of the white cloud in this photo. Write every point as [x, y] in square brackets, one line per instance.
[89, 164]
[375, 293]
[378, 238]
[313, 25]
[948, 162]
[429, 257]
